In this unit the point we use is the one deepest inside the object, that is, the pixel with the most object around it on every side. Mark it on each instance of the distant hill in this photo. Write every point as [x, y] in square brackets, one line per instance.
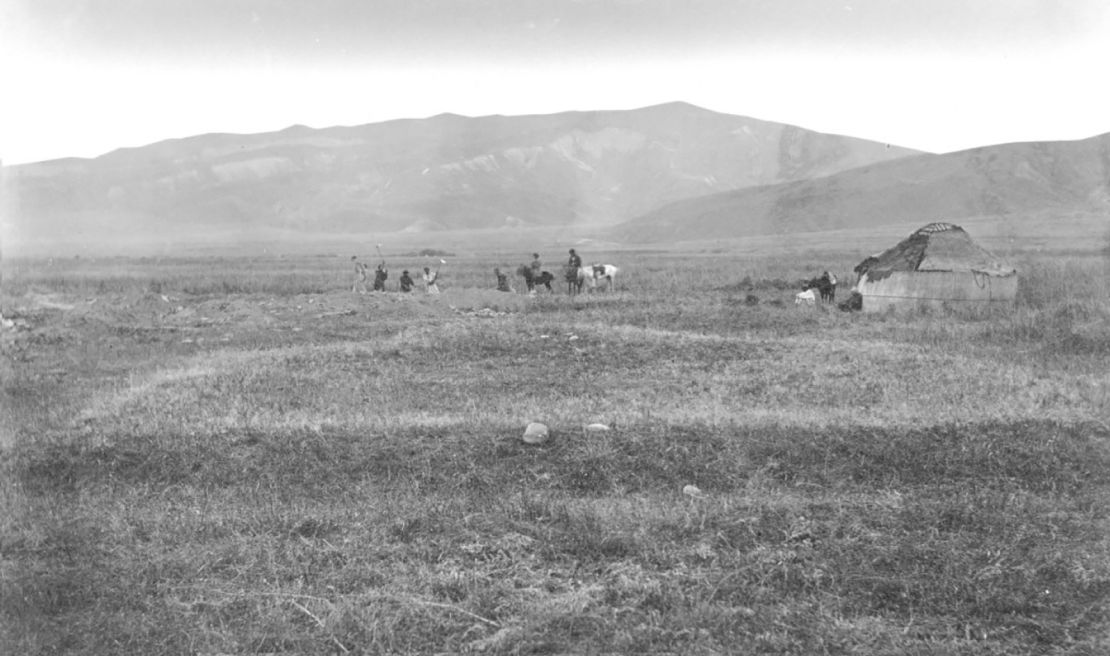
[447, 172]
[993, 181]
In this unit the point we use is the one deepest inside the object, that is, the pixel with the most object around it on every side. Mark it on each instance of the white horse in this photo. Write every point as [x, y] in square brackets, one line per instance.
[601, 272]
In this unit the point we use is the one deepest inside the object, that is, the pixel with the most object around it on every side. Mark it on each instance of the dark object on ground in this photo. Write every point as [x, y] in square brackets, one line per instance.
[853, 304]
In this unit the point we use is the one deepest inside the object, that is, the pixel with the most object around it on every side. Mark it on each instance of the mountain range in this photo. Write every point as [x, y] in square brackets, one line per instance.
[672, 172]
[1028, 179]
[447, 172]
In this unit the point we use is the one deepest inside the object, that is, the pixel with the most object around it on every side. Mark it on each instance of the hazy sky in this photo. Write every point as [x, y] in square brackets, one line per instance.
[82, 77]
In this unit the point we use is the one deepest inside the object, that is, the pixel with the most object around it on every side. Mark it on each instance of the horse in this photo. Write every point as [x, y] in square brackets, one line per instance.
[532, 280]
[600, 272]
[544, 279]
[575, 277]
[808, 297]
[825, 285]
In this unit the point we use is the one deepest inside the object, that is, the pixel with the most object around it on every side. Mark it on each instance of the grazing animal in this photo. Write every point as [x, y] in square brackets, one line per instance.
[575, 277]
[808, 297]
[602, 272]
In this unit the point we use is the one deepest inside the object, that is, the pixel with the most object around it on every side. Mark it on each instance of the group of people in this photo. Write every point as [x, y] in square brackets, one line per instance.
[533, 274]
[530, 272]
[381, 274]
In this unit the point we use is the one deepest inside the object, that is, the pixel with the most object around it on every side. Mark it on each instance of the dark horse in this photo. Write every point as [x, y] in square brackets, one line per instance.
[544, 279]
[575, 277]
[825, 286]
[531, 279]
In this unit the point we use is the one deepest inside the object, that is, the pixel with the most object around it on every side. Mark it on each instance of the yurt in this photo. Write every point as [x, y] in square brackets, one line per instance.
[935, 266]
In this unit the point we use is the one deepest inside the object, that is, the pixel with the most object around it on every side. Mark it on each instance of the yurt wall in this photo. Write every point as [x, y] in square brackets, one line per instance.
[912, 289]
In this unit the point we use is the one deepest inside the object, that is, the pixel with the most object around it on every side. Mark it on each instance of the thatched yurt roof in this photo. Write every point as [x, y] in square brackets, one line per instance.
[935, 247]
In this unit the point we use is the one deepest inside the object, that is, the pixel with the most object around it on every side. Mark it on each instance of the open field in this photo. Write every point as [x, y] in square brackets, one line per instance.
[238, 455]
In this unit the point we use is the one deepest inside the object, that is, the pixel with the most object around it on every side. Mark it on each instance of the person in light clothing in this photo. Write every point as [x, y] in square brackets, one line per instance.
[360, 275]
[430, 281]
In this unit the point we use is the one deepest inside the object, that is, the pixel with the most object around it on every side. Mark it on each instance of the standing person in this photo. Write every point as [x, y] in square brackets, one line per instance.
[574, 261]
[529, 281]
[360, 275]
[430, 281]
[828, 287]
[380, 276]
[406, 281]
[531, 272]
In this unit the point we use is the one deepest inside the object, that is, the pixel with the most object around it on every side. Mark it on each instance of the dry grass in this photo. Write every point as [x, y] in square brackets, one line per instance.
[262, 464]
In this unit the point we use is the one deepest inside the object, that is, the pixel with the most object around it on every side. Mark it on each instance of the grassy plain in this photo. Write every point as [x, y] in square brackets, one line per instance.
[238, 455]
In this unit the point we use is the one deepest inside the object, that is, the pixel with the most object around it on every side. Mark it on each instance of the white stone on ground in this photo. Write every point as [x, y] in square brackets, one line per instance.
[536, 433]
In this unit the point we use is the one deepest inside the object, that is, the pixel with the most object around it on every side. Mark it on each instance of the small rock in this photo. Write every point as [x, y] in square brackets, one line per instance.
[597, 428]
[536, 433]
[693, 491]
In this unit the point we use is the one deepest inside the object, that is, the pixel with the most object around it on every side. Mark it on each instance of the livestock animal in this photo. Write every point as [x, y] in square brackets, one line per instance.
[531, 279]
[808, 297]
[602, 272]
[575, 277]
[545, 278]
[825, 285]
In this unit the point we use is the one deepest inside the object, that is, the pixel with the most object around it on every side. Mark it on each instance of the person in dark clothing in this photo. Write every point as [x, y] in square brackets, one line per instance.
[380, 276]
[406, 281]
[573, 273]
[574, 261]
